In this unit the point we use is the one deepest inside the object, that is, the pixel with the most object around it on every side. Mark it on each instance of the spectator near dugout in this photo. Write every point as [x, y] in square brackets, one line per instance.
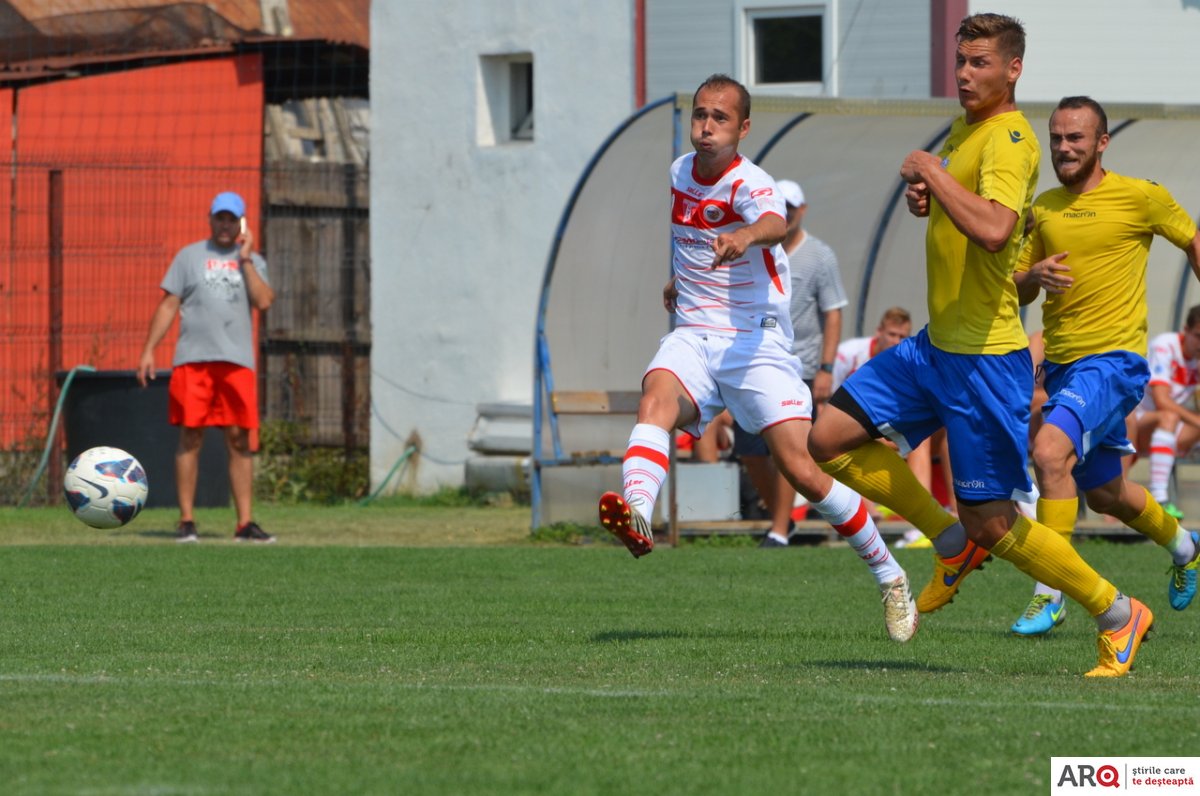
[1167, 423]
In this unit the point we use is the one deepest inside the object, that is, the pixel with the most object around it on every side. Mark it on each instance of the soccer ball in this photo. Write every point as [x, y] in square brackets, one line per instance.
[105, 487]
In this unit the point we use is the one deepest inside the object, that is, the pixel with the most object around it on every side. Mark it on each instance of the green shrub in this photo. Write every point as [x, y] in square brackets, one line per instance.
[289, 469]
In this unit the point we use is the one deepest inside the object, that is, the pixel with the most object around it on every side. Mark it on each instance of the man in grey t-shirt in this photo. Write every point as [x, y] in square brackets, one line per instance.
[817, 300]
[213, 285]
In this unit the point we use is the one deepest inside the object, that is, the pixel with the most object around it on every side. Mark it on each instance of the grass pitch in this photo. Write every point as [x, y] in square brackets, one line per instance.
[130, 664]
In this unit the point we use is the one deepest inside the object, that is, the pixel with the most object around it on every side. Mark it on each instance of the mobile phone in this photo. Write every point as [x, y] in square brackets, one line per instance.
[243, 225]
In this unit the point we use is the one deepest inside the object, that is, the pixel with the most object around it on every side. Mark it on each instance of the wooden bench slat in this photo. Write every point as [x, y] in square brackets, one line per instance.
[595, 402]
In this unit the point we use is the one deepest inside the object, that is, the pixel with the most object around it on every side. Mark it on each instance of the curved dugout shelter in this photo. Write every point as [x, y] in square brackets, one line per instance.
[601, 316]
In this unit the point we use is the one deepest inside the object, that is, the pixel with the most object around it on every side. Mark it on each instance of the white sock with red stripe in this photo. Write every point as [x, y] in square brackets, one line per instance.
[1162, 459]
[844, 509]
[645, 467]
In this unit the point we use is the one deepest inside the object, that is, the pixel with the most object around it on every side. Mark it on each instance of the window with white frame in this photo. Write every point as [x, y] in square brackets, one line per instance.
[785, 47]
[505, 99]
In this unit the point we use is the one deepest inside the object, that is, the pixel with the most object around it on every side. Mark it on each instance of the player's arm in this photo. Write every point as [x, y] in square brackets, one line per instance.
[986, 223]
[831, 335]
[1192, 250]
[160, 322]
[1161, 395]
[917, 197]
[670, 294]
[842, 367]
[1028, 288]
[1050, 273]
[768, 230]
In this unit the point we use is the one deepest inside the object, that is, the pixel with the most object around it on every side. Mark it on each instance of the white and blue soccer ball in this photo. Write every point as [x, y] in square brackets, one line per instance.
[105, 487]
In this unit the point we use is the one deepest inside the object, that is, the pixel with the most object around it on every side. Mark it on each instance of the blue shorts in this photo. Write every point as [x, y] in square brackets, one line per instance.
[1099, 391]
[913, 389]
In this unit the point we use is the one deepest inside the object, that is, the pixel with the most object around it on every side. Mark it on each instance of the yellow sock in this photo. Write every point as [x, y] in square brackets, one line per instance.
[1155, 523]
[1058, 515]
[879, 474]
[1047, 557]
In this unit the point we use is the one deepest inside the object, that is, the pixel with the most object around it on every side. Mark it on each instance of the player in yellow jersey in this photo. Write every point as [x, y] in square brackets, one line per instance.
[1088, 248]
[970, 369]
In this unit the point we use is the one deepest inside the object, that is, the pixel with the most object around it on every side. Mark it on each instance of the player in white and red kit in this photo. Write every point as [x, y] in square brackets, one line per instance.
[731, 347]
[1168, 424]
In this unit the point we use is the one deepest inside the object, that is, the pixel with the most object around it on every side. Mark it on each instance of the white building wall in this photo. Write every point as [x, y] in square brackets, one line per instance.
[686, 41]
[881, 47]
[460, 232]
[884, 50]
[1111, 50]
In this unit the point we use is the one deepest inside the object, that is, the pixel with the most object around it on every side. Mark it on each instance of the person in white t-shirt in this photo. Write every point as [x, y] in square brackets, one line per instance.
[1167, 422]
[732, 344]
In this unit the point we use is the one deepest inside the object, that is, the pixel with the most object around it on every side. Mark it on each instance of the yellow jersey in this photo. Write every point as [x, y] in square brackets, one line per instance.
[1107, 232]
[973, 307]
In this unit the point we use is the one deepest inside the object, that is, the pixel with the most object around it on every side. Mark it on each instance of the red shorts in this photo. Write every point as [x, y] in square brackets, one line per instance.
[213, 394]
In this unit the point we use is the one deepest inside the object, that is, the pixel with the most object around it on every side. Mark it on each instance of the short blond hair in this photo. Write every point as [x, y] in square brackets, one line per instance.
[895, 315]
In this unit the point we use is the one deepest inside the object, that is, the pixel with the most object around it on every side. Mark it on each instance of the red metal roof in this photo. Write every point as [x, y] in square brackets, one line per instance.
[79, 30]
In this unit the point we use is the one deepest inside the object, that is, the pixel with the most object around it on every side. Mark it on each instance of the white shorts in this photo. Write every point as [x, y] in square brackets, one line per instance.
[757, 378]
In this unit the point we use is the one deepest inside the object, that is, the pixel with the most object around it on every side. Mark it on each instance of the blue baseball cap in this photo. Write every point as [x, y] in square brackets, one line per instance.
[228, 202]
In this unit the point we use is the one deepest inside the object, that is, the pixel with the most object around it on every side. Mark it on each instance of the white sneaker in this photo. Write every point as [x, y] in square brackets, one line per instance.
[899, 610]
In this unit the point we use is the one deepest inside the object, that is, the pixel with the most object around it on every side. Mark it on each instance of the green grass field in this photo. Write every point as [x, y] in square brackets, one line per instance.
[356, 656]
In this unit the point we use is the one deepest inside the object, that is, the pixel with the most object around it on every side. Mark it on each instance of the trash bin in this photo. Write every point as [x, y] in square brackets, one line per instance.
[109, 407]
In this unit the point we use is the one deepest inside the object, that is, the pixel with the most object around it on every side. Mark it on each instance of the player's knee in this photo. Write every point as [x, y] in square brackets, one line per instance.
[666, 406]
[1052, 455]
[805, 477]
[1168, 420]
[822, 446]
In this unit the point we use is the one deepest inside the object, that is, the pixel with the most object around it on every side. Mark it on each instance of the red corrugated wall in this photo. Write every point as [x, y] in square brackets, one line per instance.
[138, 155]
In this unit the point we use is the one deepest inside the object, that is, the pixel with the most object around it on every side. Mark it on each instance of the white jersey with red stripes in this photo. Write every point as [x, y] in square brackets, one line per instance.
[750, 294]
[1168, 366]
[852, 354]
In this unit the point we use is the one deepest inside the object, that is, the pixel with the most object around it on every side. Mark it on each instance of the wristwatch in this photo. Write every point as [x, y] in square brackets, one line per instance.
[827, 367]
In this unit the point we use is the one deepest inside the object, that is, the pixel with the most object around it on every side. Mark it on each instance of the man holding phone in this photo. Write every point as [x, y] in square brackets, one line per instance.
[213, 285]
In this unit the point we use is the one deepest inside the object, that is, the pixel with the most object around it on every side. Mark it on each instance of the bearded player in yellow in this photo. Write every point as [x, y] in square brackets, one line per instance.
[1088, 249]
[970, 368]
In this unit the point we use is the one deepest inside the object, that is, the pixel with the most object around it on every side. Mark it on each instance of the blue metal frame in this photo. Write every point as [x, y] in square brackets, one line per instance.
[881, 228]
[543, 379]
[1185, 278]
[775, 139]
